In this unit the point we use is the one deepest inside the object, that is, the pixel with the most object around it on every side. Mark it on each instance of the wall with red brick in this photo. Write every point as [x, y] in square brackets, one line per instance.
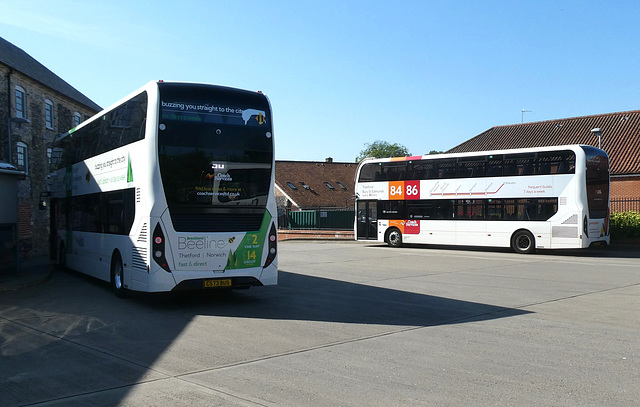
[625, 187]
[625, 194]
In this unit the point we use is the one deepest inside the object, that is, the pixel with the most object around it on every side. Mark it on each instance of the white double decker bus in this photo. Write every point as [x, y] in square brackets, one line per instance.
[170, 188]
[526, 199]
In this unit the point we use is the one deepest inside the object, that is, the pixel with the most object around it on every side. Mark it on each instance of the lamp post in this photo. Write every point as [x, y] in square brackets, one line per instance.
[598, 133]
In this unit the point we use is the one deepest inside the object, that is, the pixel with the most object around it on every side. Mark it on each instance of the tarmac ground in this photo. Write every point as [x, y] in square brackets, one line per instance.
[37, 270]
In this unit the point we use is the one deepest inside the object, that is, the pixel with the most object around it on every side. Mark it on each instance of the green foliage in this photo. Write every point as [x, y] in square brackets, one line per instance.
[625, 225]
[381, 149]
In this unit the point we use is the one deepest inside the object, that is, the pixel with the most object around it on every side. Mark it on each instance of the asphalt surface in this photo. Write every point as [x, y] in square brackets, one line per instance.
[349, 324]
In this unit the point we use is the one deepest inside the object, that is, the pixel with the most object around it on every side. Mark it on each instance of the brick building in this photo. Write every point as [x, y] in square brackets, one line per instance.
[35, 106]
[315, 184]
[619, 136]
[326, 187]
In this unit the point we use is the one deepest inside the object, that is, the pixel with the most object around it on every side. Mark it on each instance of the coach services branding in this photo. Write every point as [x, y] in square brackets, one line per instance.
[213, 253]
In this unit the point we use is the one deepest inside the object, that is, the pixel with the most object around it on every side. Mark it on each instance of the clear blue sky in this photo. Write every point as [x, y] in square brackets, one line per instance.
[339, 74]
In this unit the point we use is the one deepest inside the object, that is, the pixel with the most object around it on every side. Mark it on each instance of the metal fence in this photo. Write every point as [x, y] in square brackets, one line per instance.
[625, 204]
[342, 219]
[327, 219]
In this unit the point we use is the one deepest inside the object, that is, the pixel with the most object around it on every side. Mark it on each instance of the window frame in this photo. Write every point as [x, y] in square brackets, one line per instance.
[48, 114]
[20, 103]
[77, 118]
[22, 156]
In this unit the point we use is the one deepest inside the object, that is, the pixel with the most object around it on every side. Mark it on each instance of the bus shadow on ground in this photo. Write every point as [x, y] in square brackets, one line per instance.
[107, 345]
[309, 298]
[612, 251]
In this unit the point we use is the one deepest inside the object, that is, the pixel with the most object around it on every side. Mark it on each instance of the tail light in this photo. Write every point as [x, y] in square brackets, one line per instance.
[273, 246]
[159, 248]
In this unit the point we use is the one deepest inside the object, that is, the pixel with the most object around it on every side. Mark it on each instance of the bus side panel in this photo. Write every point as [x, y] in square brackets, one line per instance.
[471, 233]
[87, 254]
[435, 232]
[140, 255]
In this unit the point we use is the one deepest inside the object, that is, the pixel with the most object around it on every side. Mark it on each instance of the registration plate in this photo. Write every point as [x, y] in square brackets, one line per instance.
[217, 283]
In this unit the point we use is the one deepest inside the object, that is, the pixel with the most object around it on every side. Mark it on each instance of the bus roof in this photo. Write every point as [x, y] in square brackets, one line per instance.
[478, 153]
[149, 85]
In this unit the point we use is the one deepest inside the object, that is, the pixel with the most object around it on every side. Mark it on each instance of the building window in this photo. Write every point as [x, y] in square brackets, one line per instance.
[341, 186]
[21, 149]
[21, 111]
[292, 186]
[328, 185]
[48, 113]
[77, 119]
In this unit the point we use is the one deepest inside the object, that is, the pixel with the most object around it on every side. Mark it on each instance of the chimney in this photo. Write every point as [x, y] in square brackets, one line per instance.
[328, 159]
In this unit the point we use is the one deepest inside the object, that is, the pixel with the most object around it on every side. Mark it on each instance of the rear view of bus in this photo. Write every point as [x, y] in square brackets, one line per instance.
[215, 159]
[596, 218]
[170, 188]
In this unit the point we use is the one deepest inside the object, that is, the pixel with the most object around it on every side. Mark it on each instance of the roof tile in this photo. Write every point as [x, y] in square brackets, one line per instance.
[19, 60]
[314, 175]
[620, 137]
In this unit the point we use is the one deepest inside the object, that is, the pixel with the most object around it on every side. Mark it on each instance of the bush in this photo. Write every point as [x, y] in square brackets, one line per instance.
[625, 225]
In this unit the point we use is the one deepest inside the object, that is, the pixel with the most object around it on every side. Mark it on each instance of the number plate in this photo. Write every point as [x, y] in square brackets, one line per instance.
[217, 283]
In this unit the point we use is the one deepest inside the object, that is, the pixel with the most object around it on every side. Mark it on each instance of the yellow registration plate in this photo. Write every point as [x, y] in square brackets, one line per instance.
[217, 283]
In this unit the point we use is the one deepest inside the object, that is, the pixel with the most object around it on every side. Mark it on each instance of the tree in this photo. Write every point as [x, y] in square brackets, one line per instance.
[381, 149]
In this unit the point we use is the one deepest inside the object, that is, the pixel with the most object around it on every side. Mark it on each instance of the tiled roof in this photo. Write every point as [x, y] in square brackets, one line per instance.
[620, 137]
[313, 175]
[19, 60]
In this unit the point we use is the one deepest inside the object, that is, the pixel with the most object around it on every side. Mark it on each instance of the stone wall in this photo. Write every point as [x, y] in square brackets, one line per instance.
[33, 224]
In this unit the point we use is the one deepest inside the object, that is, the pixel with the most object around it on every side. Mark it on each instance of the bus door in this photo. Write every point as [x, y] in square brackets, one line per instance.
[367, 212]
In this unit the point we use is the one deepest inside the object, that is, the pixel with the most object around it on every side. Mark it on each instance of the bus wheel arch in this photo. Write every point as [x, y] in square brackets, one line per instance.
[393, 237]
[117, 275]
[523, 242]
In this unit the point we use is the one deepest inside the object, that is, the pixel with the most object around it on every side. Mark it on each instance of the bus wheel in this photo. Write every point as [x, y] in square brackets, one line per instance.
[117, 276]
[394, 237]
[523, 242]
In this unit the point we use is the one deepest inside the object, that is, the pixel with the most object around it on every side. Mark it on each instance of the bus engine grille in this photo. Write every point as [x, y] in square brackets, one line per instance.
[216, 222]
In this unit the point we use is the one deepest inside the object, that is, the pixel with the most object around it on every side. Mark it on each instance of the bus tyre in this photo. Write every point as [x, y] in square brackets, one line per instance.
[394, 237]
[117, 276]
[523, 242]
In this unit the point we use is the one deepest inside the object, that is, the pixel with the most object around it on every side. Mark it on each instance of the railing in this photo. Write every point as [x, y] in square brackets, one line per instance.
[625, 204]
[327, 219]
[342, 219]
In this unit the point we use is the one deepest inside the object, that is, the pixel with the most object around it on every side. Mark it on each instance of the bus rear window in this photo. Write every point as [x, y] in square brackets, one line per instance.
[597, 182]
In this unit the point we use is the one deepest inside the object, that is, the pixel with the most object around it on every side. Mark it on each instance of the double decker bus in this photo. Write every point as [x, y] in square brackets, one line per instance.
[170, 188]
[526, 199]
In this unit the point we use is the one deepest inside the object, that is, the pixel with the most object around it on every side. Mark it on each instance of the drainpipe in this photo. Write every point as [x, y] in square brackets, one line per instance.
[17, 229]
[9, 111]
